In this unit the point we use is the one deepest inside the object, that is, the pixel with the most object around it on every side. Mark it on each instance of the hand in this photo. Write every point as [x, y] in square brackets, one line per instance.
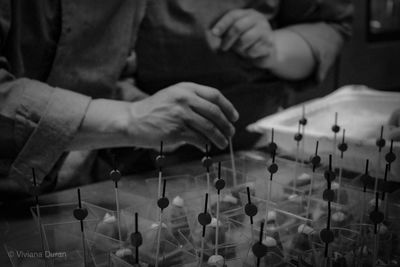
[394, 126]
[183, 113]
[248, 33]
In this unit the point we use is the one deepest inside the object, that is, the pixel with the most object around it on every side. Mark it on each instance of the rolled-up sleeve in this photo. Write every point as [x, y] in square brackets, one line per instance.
[44, 121]
[324, 25]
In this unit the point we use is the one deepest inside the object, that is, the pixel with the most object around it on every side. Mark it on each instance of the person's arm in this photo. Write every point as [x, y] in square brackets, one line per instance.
[292, 52]
[248, 33]
[182, 113]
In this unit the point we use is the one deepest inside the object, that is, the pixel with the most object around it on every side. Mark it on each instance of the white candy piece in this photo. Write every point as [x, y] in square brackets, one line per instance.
[229, 198]
[382, 229]
[214, 222]
[108, 218]
[304, 177]
[338, 216]
[335, 186]
[305, 229]
[216, 260]
[269, 241]
[123, 252]
[250, 185]
[294, 198]
[271, 215]
[271, 227]
[178, 201]
[155, 225]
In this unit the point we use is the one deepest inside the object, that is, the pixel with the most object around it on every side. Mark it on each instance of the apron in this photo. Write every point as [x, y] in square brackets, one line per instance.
[174, 44]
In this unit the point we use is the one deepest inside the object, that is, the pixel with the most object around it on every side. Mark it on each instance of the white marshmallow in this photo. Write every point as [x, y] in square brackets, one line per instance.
[108, 218]
[155, 225]
[335, 186]
[304, 177]
[269, 241]
[294, 198]
[123, 252]
[338, 216]
[229, 198]
[382, 229]
[305, 229]
[216, 260]
[178, 201]
[271, 215]
[214, 222]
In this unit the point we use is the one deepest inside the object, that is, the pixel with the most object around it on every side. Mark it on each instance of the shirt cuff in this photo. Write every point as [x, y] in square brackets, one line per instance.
[49, 131]
[325, 43]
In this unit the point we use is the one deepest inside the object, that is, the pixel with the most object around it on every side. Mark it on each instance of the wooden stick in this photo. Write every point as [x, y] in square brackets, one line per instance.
[232, 162]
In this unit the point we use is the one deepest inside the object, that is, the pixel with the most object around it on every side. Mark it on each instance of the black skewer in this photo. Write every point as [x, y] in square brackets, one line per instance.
[390, 157]
[136, 238]
[326, 234]
[204, 219]
[80, 214]
[259, 249]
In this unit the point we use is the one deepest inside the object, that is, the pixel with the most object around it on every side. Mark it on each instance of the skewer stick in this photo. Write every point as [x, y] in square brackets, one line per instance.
[36, 192]
[80, 214]
[251, 211]
[273, 168]
[316, 160]
[377, 217]
[380, 143]
[259, 249]
[207, 163]
[298, 136]
[390, 156]
[272, 146]
[232, 161]
[162, 203]
[335, 129]
[303, 122]
[342, 148]
[366, 175]
[364, 180]
[116, 176]
[137, 231]
[136, 239]
[218, 207]
[326, 234]
[160, 161]
[204, 219]
[384, 197]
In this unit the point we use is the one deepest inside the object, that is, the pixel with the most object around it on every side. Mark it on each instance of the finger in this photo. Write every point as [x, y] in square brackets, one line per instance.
[213, 113]
[215, 96]
[195, 139]
[206, 128]
[227, 20]
[236, 30]
[247, 39]
[258, 50]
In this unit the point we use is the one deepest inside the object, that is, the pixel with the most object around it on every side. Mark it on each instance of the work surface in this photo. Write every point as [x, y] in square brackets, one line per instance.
[16, 220]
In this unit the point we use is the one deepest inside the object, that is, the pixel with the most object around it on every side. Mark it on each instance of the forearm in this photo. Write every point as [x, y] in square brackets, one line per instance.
[103, 126]
[292, 57]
